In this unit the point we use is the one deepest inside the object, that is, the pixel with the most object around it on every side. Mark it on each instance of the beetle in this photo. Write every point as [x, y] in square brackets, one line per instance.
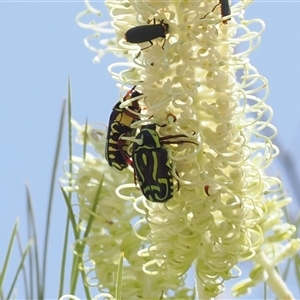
[152, 167]
[147, 33]
[225, 10]
[119, 124]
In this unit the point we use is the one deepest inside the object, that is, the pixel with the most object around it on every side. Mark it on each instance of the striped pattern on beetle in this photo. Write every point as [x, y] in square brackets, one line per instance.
[119, 124]
[151, 164]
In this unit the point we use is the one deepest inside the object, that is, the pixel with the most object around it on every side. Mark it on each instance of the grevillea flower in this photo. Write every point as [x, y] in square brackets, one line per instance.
[225, 209]
[112, 232]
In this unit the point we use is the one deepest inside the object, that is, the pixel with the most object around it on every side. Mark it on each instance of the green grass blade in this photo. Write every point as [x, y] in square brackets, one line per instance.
[92, 215]
[76, 259]
[64, 260]
[26, 281]
[50, 201]
[119, 283]
[20, 268]
[8, 254]
[70, 134]
[69, 197]
[34, 265]
[71, 217]
[85, 137]
[80, 245]
[79, 248]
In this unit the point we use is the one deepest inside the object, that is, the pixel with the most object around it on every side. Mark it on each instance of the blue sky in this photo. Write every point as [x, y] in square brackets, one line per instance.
[41, 46]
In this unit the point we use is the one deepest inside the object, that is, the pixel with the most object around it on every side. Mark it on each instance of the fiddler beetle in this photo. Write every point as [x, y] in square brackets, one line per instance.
[147, 33]
[152, 167]
[119, 124]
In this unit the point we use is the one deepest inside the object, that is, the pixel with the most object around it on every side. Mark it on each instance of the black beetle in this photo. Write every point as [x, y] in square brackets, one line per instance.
[225, 10]
[147, 33]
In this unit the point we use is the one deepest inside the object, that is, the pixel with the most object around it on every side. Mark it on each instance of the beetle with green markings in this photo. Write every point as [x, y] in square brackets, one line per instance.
[151, 164]
[119, 124]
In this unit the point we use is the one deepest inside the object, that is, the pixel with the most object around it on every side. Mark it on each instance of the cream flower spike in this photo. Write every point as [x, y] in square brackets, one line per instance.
[111, 232]
[226, 209]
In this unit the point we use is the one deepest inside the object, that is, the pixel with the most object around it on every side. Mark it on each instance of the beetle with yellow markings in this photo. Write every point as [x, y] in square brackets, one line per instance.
[151, 164]
[120, 124]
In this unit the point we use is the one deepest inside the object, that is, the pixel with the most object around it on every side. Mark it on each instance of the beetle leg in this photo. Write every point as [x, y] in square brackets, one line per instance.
[162, 47]
[175, 136]
[178, 142]
[150, 20]
[210, 11]
[139, 54]
[128, 94]
[151, 44]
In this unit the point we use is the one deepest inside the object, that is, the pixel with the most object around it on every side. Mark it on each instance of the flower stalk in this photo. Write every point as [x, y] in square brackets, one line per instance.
[274, 281]
[196, 82]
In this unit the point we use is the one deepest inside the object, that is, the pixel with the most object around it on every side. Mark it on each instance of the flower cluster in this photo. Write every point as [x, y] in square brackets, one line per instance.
[111, 231]
[225, 209]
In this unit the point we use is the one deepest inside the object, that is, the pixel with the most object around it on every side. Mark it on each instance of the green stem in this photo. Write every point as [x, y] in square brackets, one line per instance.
[274, 281]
